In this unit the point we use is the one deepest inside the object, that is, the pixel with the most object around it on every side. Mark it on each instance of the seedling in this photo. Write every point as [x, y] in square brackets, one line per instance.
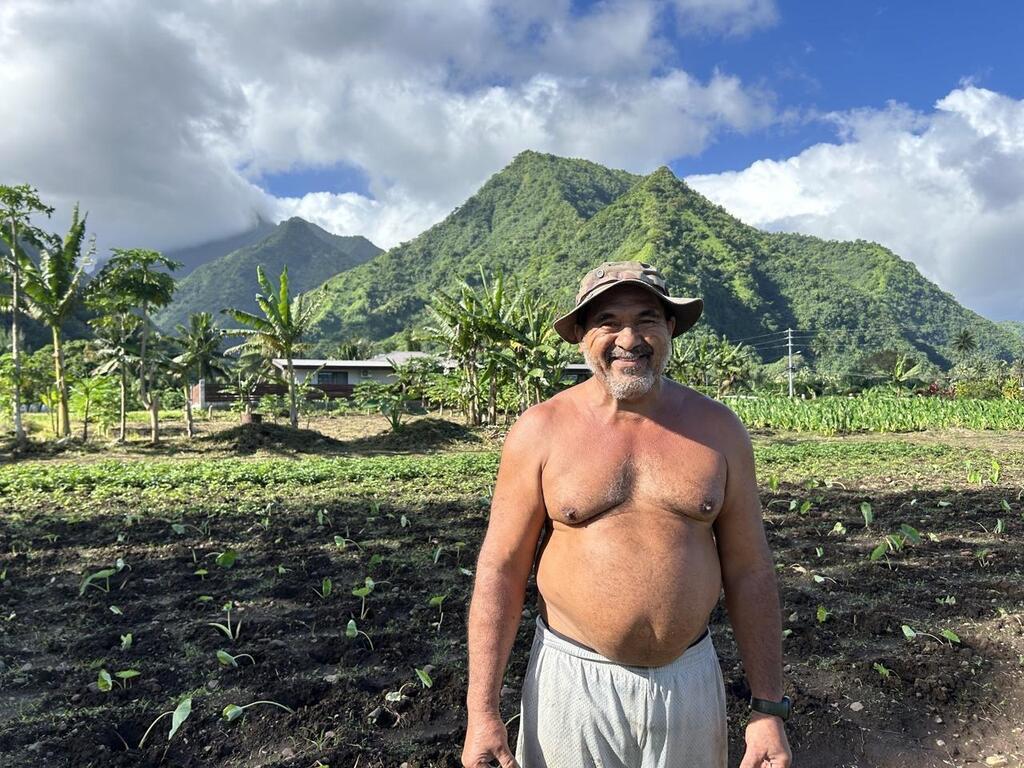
[116, 610]
[1000, 527]
[882, 670]
[1005, 505]
[226, 628]
[424, 677]
[105, 574]
[201, 573]
[437, 601]
[947, 600]
[342, 542]
[352, 631]
[225, 559]
[773, 483]
[233, 711]
[437, 553]
[126, 641]
[983, 556]
[994, 472]
[403, 521]
[106, 683]
[325, 589]
[823, 614]
[180, 528]
[178, 716]
[837, 530]
[322, 518]
[281, 570]
[375, 560]
[459, 546]
[819, 551]
[867, 513]
[973, 475]
[228, 660]
[363, 592]
[910, 633]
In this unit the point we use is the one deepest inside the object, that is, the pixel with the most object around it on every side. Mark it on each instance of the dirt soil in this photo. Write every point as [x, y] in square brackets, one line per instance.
[865, 694]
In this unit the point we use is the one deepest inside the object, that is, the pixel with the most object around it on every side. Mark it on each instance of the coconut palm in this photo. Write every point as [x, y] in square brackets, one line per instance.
[51, 290]
[964, 343]
[200, 358]
[280, 331]
[17, 205]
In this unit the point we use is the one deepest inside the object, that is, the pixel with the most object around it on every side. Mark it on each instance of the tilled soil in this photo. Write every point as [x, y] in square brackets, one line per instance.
[865, 694]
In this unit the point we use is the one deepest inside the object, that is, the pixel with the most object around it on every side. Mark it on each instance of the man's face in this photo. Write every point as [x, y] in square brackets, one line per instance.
[627, 340]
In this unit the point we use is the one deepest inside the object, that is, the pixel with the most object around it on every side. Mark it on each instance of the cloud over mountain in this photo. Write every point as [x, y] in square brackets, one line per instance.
[163, 120]
[943, 188]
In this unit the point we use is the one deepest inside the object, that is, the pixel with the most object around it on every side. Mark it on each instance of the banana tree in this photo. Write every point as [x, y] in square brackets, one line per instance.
[280, 331]
[51, 291]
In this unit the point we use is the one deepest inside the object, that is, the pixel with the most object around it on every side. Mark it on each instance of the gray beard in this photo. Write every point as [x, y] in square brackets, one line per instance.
[627, 386]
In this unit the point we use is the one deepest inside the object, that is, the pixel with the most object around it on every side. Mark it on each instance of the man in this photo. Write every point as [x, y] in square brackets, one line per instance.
[642, 496]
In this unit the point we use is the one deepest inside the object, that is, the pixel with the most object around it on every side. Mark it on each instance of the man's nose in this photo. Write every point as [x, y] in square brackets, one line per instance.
[628, 337]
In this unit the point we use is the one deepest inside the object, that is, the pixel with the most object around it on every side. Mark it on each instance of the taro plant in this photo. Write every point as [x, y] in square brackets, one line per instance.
[228, 660]
[105, 682]
[437, 601]
[951, 637]
[325, 589]
[363, 592]
[104, 574]
[867, 513]
[226, 628]
[225, 559]
[232, 711]
[178, 716]
[352, 632]
[126, 641]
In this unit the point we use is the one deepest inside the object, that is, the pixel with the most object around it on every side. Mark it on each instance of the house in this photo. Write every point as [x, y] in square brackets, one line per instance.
[337, 378]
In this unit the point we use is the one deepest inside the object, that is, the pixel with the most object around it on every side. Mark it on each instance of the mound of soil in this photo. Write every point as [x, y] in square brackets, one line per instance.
[249, 438]
[423, 434]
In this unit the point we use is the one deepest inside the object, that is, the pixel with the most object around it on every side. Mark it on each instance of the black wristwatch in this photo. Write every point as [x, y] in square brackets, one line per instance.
[769, 707]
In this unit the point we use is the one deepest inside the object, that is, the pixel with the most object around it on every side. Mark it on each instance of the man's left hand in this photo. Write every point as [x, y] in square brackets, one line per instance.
[767, 746]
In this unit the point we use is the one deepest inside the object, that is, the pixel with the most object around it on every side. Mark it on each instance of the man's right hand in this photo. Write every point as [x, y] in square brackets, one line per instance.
[486, 741]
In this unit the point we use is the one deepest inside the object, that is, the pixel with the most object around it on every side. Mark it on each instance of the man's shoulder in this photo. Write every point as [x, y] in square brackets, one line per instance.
[714, 413]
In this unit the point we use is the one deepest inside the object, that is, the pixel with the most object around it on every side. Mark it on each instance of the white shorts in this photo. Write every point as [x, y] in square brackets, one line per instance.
[582, 710]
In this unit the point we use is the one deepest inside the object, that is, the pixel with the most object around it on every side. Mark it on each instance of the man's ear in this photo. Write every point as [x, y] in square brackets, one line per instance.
[671, 324]
[579, 331]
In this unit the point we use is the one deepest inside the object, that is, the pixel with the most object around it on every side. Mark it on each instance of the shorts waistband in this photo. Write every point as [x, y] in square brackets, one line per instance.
[548, 638]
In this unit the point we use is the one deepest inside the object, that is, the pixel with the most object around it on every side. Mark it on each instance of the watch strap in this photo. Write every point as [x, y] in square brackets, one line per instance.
[767, 706]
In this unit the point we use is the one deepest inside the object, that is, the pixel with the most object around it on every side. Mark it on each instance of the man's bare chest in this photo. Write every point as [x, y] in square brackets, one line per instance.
[585, 480]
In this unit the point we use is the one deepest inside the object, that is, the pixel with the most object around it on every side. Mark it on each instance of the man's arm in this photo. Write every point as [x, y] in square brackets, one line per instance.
[751, 595]
[503, 568]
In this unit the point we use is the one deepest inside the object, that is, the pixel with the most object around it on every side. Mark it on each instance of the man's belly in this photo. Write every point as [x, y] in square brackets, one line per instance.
[637, 587]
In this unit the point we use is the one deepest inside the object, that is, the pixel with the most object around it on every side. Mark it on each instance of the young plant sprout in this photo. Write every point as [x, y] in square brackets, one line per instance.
[459, 546]
[342, 542]
[126, 641]
[363, 592]
[225, 559]
[352, 631]
[178, 716]
[436, 602]
[823, 614]
[228, 660]
[233, 711]
[106, 683]
[322, 518]
[867, 513]
[281, 570]
[105, 574]
[424, 676]
[116, 610]
[226, 629]
[882, 670]
[325, 589]
[910, 633]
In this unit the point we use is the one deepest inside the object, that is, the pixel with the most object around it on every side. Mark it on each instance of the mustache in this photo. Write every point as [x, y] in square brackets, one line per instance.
[632, 354]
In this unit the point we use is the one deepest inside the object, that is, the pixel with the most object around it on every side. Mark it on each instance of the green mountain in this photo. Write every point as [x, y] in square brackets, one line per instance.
[196, 255]
[1014, 327]
[544, 221]
[311, 254]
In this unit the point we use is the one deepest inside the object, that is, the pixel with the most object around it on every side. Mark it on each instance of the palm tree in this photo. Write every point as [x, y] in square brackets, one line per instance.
[964, 343]
[51, 290]
[454, 325]
[280, 331]
[133, 278]
[200, 357]
[17, 204]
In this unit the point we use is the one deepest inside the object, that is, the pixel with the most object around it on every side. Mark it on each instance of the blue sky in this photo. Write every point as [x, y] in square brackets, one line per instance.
[183, 122]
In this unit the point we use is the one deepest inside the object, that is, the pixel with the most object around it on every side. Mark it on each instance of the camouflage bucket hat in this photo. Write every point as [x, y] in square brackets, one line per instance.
[686, 311]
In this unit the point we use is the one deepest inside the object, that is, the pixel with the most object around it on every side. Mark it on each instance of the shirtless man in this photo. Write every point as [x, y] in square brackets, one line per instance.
[641, 493]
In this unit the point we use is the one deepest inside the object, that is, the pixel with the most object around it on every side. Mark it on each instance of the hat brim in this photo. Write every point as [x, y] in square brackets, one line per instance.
[686, 311]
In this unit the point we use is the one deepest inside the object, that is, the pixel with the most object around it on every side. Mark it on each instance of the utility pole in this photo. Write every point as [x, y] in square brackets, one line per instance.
[789, 366]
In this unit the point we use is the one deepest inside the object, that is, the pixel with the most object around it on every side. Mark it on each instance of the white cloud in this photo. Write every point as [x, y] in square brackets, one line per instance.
[162, 122]
[731, 17]
[944, 189]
